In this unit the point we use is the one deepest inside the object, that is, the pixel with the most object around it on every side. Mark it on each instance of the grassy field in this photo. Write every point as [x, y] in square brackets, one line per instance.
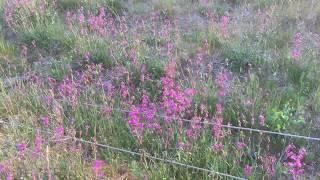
[161, 78]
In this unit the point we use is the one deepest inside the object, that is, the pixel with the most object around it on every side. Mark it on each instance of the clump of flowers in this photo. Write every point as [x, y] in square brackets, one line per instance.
[294, 160]
[38, 142]
[124, 90]
[2, 168]
[97, 168]
[142, 116]
[194, 128]
[224, 23]
[297, 43]
[98, 23]
[45, 121]
[90, 22]
[21, 12]
[240, 145]
[262, 120]
[91, 73]
[202, 52]
[247, 170]
[268, 164]
[217, 147]
[175, 100]
[217, 131]
[68, 89]
[21, 147]
[58, 132]
[221, 82]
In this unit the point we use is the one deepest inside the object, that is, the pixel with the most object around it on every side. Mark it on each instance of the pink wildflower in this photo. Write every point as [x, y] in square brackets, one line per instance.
[217, 131]
[21, 147]
[247, 170]
[240, 145]
[296, 52]
[45, 121]
[142, 116]
[124, 91]
[221, 81]
[59, 132]
[38, 142]
[9, 176]
[97, 168]
[224, 23]
[217, 147]
[262, 120]
[268, 164]
[294, 160]
[194, 128]
[69, 90]
[175, 101]
[2, 168]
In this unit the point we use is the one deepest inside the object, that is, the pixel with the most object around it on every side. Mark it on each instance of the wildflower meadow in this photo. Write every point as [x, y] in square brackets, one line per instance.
[160, 89]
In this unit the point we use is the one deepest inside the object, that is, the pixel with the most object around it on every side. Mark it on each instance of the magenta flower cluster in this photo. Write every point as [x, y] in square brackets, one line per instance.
[102, 23]
[58, 132]
[294, 160]
[297, 43]
[268, 164]
[142, 116]
[68, 89]
[217, 131]
[240, 145]
[247, 170]
[194, 128]
[221, 82]
[175, 100]
[224, 23]
[21, 147]
[97, 167]
[217, 147]
[45, 121]
[10, 9]
[98, 23]
[38, 142]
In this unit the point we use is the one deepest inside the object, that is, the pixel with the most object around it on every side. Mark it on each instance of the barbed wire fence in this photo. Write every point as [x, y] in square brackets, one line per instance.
[224, 126]
[106, 146]
[173, 162]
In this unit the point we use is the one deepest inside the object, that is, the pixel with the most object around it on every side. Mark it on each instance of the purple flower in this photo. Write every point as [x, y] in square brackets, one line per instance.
[38, 142]
[221, 81]
[45, 121]
[59, 131]
[21, 147]
[296, 52]
[224, 23]
[240, 145]
[175, 100]
[9, 176]
[217, 131]
[69, 90]
[217, 147]
[247, 170]
[294, 160]
[142, 116]
[97, 168]
[268, 164]
[2, 168]
[262, 120]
